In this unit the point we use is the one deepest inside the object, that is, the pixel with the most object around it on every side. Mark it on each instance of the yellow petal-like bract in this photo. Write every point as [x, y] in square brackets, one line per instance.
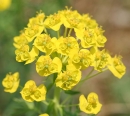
[31, 92]
[69, 78]
[11, 82]
[117, 67]
[90, 105]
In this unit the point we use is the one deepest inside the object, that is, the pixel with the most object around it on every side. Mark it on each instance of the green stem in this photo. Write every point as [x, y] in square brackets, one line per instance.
[85, 78]
[70, 32]
[65, 33]
[37, 107]
[90, 72]
[45, 31]
[58, 34]
[88, 77]
[57, 108]
[57, 94]
[64, 60]
[65, 100]
[20, 87]
[46, 103]
[69, 105]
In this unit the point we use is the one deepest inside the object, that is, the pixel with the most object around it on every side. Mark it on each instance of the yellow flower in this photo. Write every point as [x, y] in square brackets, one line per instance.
[100, 60]
[116, 66]
[33, 54]
[46, 66]
[31, 92]
[69, 78]
[53, 22]
[70, 19]
[23, 54]
[45, 44]
[100, 40]
[11, 82]
[87, 37]
[4, 4]
[44, 114]
[35, 27]
[90, 105]
[20, 41]
[82, 59]
[67, 45]
[90, 36]
[33, 31]
[88, 22]
[38, 20]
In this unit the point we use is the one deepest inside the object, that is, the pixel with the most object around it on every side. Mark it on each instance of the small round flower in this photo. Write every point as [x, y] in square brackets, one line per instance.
[66, 46]
[31, 92]
[100, 40]
[46, 66]
[90, 105]
[53, 22]
[116, 66]
[34, 27]
[45, 43]
[23, 54]
[82, 59]
[87, 37]
[38, 20]
[69, 78]
[31, 32]
[11, 82]
[20, 41]
[100, 60]
[88, 22]
[70, 19]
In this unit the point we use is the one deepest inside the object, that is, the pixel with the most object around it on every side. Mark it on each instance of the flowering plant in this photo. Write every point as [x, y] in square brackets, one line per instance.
[77, 45]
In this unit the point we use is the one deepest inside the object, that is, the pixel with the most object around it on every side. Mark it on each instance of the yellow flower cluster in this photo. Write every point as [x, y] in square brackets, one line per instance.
[55, 54]
[76, 47]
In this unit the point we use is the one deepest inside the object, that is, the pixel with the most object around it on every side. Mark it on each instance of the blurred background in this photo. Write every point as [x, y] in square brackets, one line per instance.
[112, 15]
